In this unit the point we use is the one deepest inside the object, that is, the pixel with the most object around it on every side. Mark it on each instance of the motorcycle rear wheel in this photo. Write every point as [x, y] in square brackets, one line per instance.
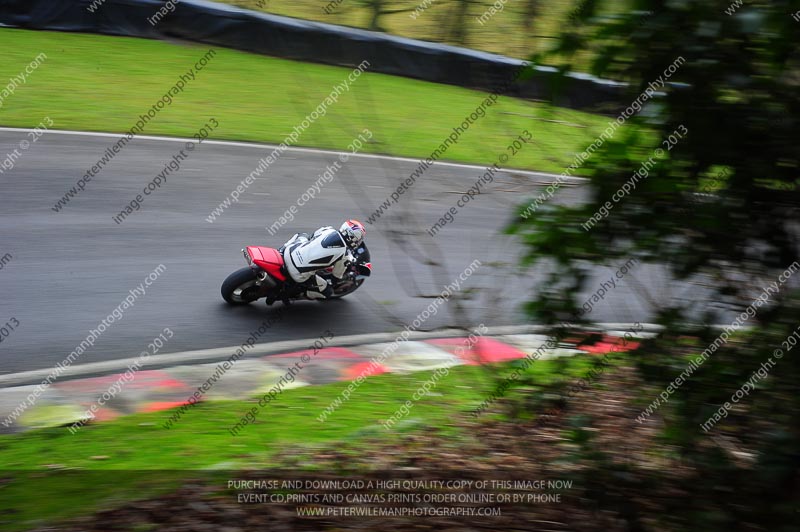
[240, 288]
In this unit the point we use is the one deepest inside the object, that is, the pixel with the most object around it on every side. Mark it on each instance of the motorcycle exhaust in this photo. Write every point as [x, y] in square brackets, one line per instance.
[264, 278]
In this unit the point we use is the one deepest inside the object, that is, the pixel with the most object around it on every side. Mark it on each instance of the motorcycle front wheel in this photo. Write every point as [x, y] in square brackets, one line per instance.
[344, 288]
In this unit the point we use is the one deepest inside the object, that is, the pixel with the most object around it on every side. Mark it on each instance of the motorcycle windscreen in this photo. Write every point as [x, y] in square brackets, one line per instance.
[362, 253]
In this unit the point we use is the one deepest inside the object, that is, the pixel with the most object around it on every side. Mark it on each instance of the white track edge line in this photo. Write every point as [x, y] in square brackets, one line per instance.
[266, 146]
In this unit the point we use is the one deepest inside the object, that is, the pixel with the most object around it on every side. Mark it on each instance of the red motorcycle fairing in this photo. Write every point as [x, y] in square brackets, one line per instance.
[268, 259]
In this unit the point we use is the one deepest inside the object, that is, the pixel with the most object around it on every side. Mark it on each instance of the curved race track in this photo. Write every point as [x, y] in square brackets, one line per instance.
[68, 270]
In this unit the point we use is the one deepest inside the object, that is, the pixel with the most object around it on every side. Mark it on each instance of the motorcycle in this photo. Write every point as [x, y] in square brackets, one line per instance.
[266, 276]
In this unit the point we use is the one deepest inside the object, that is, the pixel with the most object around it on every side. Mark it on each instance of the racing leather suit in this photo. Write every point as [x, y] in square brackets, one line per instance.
[305, 256]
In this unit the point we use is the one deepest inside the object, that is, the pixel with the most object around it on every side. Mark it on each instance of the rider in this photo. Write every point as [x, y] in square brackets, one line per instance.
[305, 255]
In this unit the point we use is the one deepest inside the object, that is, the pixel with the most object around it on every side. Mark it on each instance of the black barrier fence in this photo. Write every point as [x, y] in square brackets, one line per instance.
[241, 29]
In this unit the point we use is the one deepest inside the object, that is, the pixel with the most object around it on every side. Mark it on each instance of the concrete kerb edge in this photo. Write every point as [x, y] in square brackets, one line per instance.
[221, 353]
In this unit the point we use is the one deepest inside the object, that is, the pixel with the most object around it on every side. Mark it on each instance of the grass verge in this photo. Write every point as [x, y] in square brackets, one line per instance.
[101, 83]
[51, 474]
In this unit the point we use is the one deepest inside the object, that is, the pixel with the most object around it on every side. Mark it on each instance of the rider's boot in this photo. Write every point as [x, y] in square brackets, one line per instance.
[320, 288]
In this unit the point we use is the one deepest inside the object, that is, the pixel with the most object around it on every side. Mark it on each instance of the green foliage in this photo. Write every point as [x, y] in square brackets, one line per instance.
[736, 92]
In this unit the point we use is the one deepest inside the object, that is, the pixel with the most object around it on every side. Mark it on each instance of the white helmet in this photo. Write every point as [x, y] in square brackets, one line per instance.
[352, 232]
